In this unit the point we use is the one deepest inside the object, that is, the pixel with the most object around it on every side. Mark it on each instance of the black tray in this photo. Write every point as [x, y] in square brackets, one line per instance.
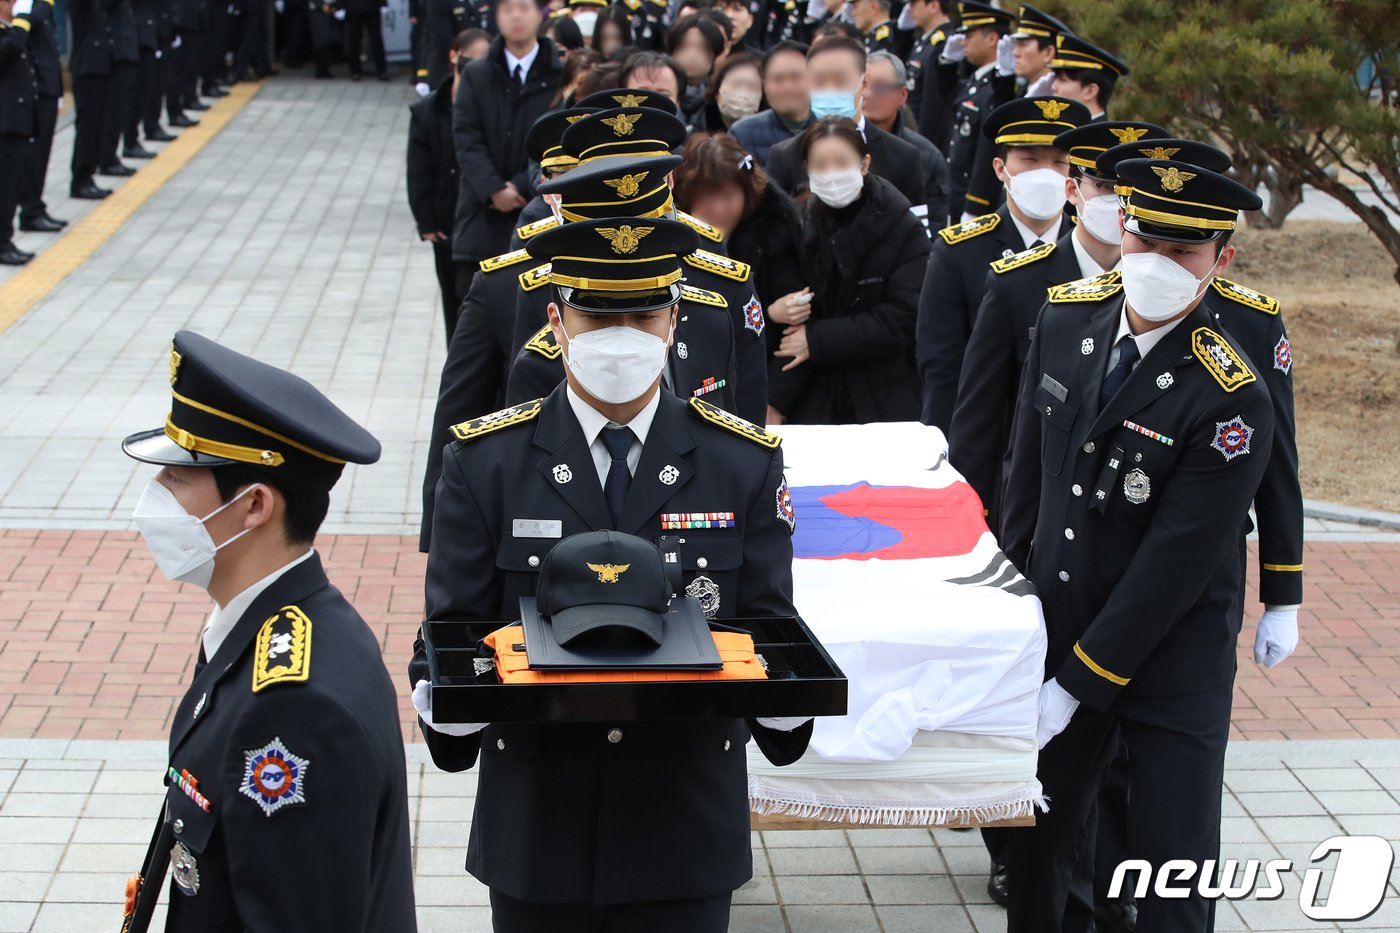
[802, 680]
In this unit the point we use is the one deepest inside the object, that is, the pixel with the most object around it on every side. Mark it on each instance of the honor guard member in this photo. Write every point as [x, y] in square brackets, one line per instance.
[986, 86]
[648, 23]
[610, 825]
[1085, 73]
[932, 81]
[615, 140]
[282, 738]
[18, 95]
[1033, 171]
[1141, 437]
[701, 361]
[1013, 295]
[481, 347]
[1029, 50]
[872, 18]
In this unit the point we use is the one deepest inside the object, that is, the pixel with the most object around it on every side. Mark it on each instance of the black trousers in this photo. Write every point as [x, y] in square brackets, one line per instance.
[13, 151]
[147, 86]
[358, 24]
[696, 915]
[121, 102]
[296, 33]
[447, 284]
[156, 95]
[36, 160]
[213, 53]
[1176, 766]
[251, 54]
[90, 94]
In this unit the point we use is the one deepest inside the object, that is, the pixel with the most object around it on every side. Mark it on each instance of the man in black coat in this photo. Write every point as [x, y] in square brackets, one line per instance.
[932, 81]
[90, 66]
[48, 78]
[432, 186]
[18, 90]
[363, 17]
[281, 735]
[121, 100]
[581, 464]
[957, 268]
[883, 99]
[501, 96]
[441, 21]
[1142, 434]
[147, 79]
[838, 64]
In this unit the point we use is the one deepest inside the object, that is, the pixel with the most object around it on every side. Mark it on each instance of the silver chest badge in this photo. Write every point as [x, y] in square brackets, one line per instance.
[185, 870]
[1087, 346]
[669, 475]
[1137, 487]
[707, 592]
[562, 473]
[1165, 381]
[199, 707]
[682, 350]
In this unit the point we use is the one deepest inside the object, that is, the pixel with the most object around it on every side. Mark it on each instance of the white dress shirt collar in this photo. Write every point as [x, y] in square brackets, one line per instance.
[1029, 236]
[1145, 341]
[593, 422]
[524, 63]
[224, 618]
[1088, 265]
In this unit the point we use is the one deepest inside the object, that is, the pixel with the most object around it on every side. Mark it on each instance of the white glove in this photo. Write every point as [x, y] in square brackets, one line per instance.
[423, 703]
[906, 19]
[339, 15]
[966, 216]
[279, 6]
[1006, 56]
[1054, 708]
[784, 724]
[175, 42]
[159, 54]
[22, 7]
[1276, 636]
[422, 88]
[953, 49]
[1041, 86]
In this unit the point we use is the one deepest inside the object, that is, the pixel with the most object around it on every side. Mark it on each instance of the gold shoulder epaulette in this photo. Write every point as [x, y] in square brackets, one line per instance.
[882, 32]
[720, 265]
[708, 231]
[480, 427]
[503, 260]
[703, 296]
[1221, 360]
[532, 279]
[731, 422]
[633, 5]
[538, 226]
[1245, 296]
[1094, 288]
[282, 651]
[543, 344]
[936, 37]
[1023, 258]
[975, 227]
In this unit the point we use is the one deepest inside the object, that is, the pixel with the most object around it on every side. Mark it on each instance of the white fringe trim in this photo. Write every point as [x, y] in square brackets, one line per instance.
[982, 812]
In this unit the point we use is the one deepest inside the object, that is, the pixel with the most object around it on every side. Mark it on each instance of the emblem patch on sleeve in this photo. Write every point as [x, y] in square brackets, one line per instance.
[786, 515]
[753, 316]
[273, 777]
[1232, 437]
[1283, 355]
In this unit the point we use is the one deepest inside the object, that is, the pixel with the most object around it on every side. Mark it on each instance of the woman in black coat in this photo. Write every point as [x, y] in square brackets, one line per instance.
[847, 356]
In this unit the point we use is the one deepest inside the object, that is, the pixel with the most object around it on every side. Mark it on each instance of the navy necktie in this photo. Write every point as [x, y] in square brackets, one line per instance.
[618, 441]
[202, 661]
[1128, 356]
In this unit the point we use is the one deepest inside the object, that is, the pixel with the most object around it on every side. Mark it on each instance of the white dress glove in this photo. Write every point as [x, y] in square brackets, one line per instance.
[1276, 636]
[422, 88]
[339, 15]
[1042, 86]
[1054, 708]
[175, 42]
[22, 7]
[279, 6]
[784, 724]
[423, 703]
[1006, 56]
[953, 49]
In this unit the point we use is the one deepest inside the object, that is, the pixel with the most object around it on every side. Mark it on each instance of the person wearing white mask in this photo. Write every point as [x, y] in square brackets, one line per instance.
[280, 736]
[1143, 431]
[1033, 170]
[554, 831]
[844, 352]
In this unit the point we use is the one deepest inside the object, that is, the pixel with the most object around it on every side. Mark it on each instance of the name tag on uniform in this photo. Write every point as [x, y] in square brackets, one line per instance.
[536, 528]
[1053, 386]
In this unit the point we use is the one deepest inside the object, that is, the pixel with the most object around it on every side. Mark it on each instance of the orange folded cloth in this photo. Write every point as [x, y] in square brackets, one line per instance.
[736, 651]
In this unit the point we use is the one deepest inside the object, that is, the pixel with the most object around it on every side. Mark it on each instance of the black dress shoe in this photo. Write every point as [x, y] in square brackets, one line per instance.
[355, 77]
[215, 91]
[1116, 916]
[382, 76]
[183, 121]
[323, 75]
[195, 105]
[40, 224]
[137, 152]
[10, 256]
[998, 888]
[158, 135]
[89, 192]
[117, 170]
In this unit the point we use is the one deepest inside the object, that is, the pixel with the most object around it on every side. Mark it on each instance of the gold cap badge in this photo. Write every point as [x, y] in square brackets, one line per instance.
[1051, 109]
[1128, 134]
[608, 573]
[626, 238]
[626, 186]
[1173, 179]
[622, 124]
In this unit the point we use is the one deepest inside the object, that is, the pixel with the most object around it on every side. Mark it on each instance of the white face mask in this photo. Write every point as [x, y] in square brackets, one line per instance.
[837, 189]
[1099, 215]
[1039, 193]
[616, 364]
[1157, 288]
[177, 540]
[735, 105]
[586, 21]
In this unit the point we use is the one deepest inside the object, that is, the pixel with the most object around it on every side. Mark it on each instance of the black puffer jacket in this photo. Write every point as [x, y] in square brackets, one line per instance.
[432, 161]
[865, 283]
[771, 242]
